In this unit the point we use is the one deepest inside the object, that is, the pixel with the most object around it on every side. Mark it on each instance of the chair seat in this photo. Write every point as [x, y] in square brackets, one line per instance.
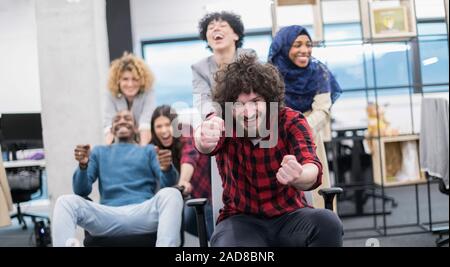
[141, 240]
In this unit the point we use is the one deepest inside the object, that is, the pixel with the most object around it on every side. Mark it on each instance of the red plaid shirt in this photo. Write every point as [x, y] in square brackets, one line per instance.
[248, 171]
[201, 178]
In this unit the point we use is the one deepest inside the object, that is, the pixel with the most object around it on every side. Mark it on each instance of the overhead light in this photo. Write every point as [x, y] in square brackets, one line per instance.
[430, 61]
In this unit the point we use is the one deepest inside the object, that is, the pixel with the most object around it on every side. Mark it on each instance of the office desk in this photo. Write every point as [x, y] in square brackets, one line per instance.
[23, 164]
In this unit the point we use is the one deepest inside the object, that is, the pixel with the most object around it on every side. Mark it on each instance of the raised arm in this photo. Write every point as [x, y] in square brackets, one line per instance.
[208, 135]
[87, 172]
[189, 159]
[201, 90]
[167, 177]
[301, 168]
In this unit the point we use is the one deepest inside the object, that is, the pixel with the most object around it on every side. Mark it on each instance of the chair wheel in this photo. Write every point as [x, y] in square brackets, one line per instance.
[24, 227]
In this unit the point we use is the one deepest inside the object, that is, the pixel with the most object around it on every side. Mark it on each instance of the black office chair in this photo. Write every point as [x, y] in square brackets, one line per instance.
[328, 195]
[441, 240]
[136, 240]
[352, 167]
[23, 193]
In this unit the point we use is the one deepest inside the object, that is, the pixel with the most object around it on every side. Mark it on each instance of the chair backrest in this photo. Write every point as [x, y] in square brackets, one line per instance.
[217, 189]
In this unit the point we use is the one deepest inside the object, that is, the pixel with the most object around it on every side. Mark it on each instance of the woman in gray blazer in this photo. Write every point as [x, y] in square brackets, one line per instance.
[129, 83]
[224, 34]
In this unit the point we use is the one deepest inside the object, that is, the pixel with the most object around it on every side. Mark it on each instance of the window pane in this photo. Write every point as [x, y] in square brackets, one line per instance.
[345, 62]
[171, 63]
[397, 107]
[429, 9]
[340, 11]
[295, 14]
[350, 110]
[347, 31]
[435, 89]
[259, 43]
[391, 65]
[431, 28]
[255, 14]
[434, 61]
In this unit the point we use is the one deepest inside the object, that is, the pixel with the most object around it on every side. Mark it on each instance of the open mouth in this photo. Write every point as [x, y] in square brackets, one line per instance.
[122, 128]
[166, 140]
[218, 36]
[302, 56]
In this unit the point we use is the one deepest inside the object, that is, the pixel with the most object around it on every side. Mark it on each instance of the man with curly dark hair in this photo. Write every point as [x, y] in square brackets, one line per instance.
[224, 34]
[264, 202]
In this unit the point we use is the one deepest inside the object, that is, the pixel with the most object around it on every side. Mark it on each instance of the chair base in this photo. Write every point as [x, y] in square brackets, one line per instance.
[21, 218]
[441, 241]
[144, 240]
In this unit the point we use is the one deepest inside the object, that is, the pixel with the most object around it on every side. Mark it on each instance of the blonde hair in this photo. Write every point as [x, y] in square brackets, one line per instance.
[137, 66]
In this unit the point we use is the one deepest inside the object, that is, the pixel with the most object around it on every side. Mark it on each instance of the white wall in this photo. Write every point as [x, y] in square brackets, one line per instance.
[19, 76]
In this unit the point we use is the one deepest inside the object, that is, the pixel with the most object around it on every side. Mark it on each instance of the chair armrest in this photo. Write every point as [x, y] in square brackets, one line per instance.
[328, 195]
[330, 190]
[199, 205]
[196, 202]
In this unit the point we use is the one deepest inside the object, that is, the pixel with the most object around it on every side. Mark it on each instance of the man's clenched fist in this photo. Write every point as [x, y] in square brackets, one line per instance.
[208, 134]
[289, 171]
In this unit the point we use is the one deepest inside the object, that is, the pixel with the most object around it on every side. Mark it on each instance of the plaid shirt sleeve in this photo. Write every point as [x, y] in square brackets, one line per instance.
[189, 154]
[301, 144]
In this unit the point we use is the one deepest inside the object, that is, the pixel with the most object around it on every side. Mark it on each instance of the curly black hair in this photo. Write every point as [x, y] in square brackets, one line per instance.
[233, 20]
[247, 75]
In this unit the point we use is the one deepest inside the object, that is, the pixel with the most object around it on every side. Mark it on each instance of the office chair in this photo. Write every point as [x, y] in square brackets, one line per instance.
[20, 195]
[136, 240]
[441, 240]
[198, 204]
[352, 167]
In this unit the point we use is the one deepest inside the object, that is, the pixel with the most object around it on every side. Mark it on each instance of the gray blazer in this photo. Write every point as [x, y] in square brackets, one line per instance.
[142, 109]
[203, 81]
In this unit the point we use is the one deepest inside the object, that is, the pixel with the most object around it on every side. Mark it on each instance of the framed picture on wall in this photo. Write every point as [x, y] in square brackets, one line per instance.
[389, 22]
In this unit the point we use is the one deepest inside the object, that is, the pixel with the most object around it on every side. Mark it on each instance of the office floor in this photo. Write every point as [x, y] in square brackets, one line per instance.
[404, 213]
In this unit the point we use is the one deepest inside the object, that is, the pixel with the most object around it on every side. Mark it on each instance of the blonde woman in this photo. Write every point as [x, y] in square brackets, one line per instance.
[130, 87]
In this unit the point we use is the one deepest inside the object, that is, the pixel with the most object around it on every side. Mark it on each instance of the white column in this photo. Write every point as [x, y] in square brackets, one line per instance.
[73, 66]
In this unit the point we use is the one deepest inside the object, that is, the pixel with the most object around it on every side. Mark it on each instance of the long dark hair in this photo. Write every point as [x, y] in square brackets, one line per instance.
[177, 145]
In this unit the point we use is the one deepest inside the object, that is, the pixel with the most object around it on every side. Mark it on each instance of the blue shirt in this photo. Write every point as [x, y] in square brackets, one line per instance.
[127, 174]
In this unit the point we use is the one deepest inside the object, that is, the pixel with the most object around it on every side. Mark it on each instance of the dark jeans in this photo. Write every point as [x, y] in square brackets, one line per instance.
[190, 220]
[304, 227]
